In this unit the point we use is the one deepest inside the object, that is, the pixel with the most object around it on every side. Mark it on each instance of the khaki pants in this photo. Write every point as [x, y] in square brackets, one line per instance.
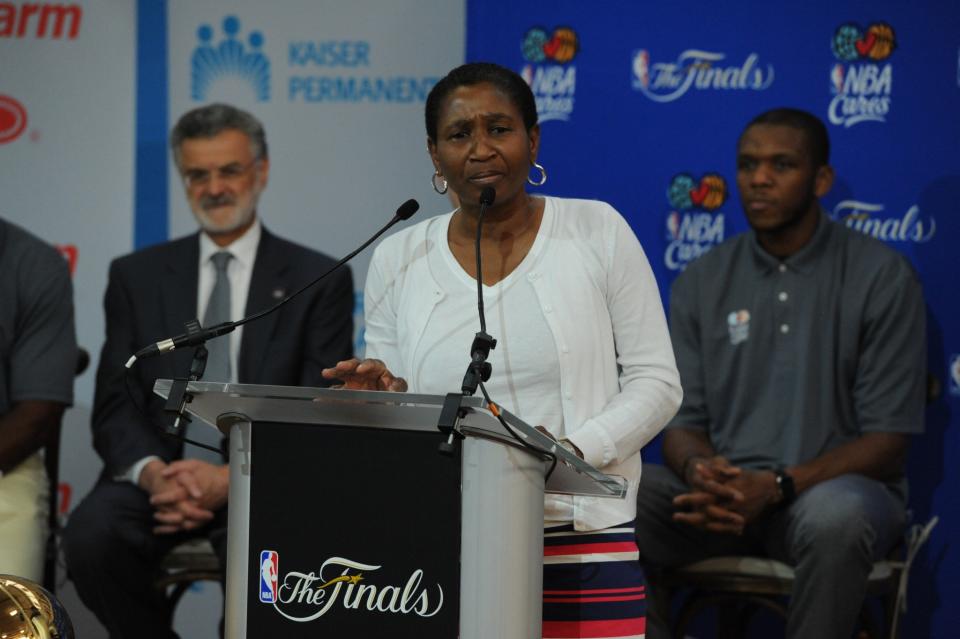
[23, 519]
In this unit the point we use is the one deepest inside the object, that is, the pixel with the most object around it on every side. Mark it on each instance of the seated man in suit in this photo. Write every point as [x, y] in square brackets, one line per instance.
[149, 498]
[802, 354]
[38, 353]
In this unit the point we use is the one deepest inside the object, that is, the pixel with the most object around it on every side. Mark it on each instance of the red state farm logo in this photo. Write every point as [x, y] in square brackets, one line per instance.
[47, 20]
[13, 119]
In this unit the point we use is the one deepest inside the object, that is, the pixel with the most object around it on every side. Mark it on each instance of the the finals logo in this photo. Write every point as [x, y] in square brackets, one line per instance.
[700, 70]
[344, 584]
[695, 224]
[212, 62]
[549, 72]
[860, 84]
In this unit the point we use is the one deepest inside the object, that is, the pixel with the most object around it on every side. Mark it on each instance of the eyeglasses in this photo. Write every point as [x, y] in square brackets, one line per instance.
[230, 173]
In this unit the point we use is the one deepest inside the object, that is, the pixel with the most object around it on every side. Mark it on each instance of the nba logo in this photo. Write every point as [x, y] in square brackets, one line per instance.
[268, 576]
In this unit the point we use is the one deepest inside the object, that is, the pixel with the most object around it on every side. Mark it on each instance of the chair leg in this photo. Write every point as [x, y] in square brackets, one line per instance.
[50, 563]
[868, 624]
[173, 598]
[890, 617]
[730, 619]
[734, 612]
[659, 600]
[742, 621]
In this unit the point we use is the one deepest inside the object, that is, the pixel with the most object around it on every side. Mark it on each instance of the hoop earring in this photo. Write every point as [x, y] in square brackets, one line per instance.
[543, 175]
[433, 183]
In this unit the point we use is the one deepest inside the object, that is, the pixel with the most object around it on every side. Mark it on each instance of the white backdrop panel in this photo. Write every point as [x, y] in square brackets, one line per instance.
[68, 177]
[342, 105]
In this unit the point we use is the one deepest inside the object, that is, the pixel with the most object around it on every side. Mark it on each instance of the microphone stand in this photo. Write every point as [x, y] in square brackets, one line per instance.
[179, 397]
[196, 335]
[202, 335]
[479, 369]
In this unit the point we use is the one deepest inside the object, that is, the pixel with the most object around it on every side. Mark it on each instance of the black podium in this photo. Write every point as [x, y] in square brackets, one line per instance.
[346, 520]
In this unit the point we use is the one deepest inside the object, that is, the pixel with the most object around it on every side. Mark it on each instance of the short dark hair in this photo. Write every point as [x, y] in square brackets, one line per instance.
[515, 88]
[207, 121]
[818, 141]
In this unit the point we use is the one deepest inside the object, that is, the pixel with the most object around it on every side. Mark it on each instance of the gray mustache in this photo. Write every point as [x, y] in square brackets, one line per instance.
[210, 201]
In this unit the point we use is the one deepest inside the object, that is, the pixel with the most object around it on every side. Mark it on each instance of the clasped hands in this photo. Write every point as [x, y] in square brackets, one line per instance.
[185, 493]
[723, 498]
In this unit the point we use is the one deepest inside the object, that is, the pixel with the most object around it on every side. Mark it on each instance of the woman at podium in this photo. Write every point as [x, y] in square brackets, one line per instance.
[582, 343]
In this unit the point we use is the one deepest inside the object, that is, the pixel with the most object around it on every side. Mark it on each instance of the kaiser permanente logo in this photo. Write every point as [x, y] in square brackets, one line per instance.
[230, 57]
[341, 583]
[318, 71]
[868, 218]
[700, 70]
[860, 85]
[550, 74]
[694, 226]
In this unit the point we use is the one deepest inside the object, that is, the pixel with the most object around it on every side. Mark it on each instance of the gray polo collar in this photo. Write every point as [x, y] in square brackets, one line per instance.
[804, 260]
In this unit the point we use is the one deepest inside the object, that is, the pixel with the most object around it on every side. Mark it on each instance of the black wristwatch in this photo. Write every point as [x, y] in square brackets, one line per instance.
[785, 486]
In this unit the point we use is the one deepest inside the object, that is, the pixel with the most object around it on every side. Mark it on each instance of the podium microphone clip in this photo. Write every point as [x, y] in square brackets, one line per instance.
[449, 423]
[179, 397]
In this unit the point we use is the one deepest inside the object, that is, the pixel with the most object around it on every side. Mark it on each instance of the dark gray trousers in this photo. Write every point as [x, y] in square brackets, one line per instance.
[831, 535]
[113, 557]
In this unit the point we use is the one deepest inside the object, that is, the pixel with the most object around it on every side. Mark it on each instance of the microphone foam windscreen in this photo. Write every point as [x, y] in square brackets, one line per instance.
[488, 195]
[407, 209]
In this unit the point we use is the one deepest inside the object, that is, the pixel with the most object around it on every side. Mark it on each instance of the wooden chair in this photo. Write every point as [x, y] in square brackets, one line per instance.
[740, 586]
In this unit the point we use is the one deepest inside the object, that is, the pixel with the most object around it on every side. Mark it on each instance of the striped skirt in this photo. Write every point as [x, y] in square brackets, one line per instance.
[593, 585]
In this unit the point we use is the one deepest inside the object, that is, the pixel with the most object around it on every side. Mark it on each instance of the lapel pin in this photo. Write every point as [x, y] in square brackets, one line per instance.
[279, 293]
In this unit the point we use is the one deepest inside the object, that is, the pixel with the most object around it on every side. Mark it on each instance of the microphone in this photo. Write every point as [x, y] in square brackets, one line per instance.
[195, 338]
[479, 368]
[487, 196]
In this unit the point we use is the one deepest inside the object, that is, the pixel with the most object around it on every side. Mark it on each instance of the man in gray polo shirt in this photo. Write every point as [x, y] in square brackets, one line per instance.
[38, 354]
[801, 349]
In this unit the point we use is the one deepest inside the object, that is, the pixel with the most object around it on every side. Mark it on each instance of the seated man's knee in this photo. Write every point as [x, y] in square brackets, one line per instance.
[836, 522]
[86, 538]
[97, 530]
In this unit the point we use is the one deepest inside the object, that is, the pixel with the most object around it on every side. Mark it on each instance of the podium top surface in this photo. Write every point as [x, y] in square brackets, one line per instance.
[221, 405]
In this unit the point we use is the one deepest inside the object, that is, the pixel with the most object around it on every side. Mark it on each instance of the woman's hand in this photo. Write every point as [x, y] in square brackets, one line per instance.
[369, 374]
[564, 442]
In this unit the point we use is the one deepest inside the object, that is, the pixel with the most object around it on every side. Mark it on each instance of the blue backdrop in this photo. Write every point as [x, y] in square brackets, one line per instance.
[642, 104]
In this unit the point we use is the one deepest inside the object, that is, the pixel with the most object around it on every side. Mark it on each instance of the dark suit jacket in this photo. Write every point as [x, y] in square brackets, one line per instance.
[151, 294]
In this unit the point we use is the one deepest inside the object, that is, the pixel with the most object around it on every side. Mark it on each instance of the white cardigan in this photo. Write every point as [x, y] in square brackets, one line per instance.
[598, 294]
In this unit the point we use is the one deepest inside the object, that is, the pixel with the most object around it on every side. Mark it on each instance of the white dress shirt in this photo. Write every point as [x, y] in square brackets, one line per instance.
[239, 270]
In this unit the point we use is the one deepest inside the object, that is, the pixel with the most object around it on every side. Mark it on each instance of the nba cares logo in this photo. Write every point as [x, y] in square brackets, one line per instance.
[686, 193]
[269, 564]
[561, 46]
[13, 119]
[694, 224]
[550, 73]
[738, 323]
